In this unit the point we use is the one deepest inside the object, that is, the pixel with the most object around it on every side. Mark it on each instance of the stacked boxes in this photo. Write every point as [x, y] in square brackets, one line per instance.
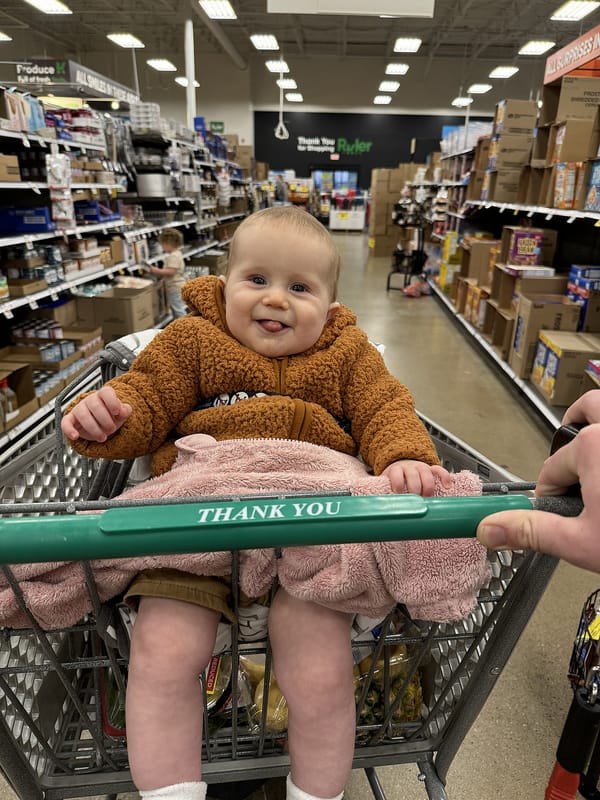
[559, 365]
[386, 187]
[510, 149]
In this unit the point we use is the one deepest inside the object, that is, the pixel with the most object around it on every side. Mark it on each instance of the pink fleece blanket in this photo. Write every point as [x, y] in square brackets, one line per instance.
[437, 580]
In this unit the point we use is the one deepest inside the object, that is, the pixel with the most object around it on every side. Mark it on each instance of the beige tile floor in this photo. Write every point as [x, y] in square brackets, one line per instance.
[509, 752]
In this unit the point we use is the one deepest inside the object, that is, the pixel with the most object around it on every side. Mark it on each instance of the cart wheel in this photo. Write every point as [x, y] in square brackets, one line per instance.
[237, 790]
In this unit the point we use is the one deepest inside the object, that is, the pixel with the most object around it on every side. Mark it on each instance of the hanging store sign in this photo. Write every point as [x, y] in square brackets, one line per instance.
[576, 55]
[216, 126]
[72, 80]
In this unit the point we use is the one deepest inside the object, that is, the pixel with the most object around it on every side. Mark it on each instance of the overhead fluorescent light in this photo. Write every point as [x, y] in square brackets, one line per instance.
[277, 66]
[396, 69]
[125, 40]
[536, 47]
[382, 99]
[479, 88]
[390, 8]
[294, 97]
[183, 81]
[574, 10]
[161, 64]
[407, 44]
[503, 72]
[218, 9]
[4, 37]
[264, 41]
[287, 83]
[50, 6]
[462, 102]
[388, 86]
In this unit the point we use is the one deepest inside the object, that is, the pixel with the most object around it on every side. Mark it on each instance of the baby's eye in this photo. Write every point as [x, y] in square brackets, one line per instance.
[298, 287]
[258, 279]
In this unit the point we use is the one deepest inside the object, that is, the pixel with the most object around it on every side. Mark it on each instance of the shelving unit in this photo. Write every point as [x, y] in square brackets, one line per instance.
[194, 202]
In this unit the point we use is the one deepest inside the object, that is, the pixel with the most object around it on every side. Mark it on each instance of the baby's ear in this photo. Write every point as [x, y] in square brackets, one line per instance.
[333, 309]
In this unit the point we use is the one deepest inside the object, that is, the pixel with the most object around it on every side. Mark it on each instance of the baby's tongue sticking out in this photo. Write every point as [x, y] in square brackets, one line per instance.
[271, 325]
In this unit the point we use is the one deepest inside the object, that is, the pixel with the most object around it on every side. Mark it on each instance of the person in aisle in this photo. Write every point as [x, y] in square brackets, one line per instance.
[281, 192]
[271, 333]
[574, 539]
[171, 241]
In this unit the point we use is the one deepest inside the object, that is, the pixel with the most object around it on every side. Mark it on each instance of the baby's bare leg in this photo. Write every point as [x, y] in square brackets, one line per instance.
[312, 659]
[171, 645]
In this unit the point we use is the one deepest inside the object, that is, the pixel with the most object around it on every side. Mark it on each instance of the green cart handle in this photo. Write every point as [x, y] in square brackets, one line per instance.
[241, 525]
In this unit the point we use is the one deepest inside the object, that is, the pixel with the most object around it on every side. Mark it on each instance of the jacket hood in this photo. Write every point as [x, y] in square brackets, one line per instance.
[205, 297]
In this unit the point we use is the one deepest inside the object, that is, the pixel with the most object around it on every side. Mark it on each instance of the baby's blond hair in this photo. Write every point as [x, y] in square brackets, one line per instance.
[299, 220]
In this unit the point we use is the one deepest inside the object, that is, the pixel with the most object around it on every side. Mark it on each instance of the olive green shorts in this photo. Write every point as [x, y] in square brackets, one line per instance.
[213, 593]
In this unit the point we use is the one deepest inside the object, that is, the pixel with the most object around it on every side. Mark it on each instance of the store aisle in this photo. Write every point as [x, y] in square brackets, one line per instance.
[510, 750]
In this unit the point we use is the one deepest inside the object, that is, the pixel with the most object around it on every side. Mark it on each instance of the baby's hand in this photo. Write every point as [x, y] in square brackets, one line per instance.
[96, 417]
[415, 477]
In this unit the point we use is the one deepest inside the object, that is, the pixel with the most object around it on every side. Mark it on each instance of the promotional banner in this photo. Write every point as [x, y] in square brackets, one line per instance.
[360, 142]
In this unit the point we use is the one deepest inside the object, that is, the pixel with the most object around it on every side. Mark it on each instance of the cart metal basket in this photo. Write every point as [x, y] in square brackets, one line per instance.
[57, 741]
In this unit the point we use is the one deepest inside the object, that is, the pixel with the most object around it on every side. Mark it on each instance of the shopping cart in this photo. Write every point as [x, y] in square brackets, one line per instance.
[61, 691]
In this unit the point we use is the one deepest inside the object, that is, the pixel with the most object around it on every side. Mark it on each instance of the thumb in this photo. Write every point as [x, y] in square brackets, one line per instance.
[125, 411]
[524, 530]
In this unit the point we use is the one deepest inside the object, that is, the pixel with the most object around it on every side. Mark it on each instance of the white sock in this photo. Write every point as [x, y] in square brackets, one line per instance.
[192, 790]
[294, 793]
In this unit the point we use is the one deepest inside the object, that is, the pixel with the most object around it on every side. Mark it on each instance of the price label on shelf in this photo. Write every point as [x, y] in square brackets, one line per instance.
[25, 141]
[28, 243]
[8, 313]
[33, 304]
[53, 296]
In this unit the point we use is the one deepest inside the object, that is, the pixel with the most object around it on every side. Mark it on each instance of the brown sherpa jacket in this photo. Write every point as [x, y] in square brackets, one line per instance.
[342, 377]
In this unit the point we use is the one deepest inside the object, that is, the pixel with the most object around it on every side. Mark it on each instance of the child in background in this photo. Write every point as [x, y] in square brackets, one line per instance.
[272, 330]
[171, 241]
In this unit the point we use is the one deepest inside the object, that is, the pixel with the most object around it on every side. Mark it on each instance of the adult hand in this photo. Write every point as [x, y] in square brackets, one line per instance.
[574, 539]
[96, 417]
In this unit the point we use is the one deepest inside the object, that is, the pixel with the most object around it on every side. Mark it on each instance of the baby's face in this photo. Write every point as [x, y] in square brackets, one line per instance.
[278, 290]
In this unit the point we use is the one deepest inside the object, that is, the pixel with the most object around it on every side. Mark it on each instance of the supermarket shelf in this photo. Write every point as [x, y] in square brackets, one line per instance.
[46, 141]
[31, 300]
[29, 238]
[465, 152]
[194, 251]
[548, 213]
[147, 231]
[227, 217]
[523, 387]
[41, 186]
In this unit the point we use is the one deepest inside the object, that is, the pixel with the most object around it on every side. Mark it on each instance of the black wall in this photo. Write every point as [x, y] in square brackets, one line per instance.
[390, 136]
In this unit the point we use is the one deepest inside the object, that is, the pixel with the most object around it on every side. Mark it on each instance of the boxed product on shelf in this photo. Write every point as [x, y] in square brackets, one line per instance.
[560, 363]
[497, 327]
[501, 186]
[568, 98]
[589, 303]
[534, 313]
[584, 271]
[592, 194]
[26, 220]
[9, 169]
[119, 310]
[475, 258]
[20, 380]
[573, 140]
[475, 302]
[591, 376]
[520, 245]
[515, 117]
[509, 152]
[508, 283]
[21, 287]
[215, 260]
[97, 211]
[566, 180]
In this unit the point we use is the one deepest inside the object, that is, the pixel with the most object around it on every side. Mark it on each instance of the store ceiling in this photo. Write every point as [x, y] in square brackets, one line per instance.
[464, 31]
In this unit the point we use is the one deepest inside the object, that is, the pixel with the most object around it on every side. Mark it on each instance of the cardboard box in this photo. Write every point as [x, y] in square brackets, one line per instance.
[482, 149]
[566, 178]
[9, 169]
[592, 187]
[497, 326]
[508, 285]
[20, 380]
[122, 250]
[30, 354]
[462, 287]
[383, 245]
[477, 298]
[475, 185]
[63, 311]
[515, 117]
[539, 146]
[509, 152]
[119, 311]
[503, 186]
[535, 313]
[569, 98]
[21, 287]
[573, 140]
[475, 259]
[566, 358]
